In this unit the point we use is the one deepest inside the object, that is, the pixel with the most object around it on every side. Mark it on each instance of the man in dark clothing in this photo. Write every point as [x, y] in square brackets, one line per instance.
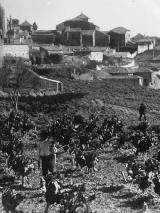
[142, 111]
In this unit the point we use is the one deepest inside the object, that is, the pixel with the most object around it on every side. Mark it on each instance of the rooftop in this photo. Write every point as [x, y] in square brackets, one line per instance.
[120, 30]
[51, 48]
[139, 38]
[105, 32]
[25, 23]
[57, 49]
[81, 17]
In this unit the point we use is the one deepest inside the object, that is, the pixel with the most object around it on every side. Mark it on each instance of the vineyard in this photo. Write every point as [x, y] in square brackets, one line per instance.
[107, 160]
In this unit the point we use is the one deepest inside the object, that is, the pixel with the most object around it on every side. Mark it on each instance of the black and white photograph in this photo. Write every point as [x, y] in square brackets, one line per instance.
[79, 106]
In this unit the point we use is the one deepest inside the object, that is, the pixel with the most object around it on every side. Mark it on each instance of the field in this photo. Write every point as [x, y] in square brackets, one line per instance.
[106, 188]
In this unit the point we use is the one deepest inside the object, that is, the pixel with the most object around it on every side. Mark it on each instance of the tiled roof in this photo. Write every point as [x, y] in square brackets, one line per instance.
[25, 23]
[119, 30]
[80, 17]
[105, 32]
[139, 38]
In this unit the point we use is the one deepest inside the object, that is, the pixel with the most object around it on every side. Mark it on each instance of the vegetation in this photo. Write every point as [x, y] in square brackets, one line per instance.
[12, 80]
[109, 188]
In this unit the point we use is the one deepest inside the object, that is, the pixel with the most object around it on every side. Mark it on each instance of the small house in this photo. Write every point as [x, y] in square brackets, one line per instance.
[119, 37]
[146, 74]
[143, 43]
[50, 54]
[53, 54]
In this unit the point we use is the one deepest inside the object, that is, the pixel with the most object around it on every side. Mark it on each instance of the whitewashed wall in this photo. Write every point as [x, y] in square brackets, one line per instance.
[16, 50]
[96, 56]
[125, 54]
[142, 48]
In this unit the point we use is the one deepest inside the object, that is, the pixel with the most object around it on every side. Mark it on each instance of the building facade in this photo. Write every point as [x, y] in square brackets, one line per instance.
[18, 33]
[143, 43]
[119, 37]
[43, 36]
[80, 32]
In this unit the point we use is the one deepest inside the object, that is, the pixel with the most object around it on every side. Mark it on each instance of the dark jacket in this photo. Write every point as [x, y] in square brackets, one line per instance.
[142, 108]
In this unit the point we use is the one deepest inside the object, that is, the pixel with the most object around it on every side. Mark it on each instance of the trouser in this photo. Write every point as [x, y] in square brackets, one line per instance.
[48, 164]
[142, 114]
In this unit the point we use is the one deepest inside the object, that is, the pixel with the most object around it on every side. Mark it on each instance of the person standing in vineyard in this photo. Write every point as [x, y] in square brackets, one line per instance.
[54, 151]
[47, 154]
[142, 111]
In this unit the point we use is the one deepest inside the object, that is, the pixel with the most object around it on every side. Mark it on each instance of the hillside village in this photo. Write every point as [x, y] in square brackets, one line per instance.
[82, 47]
[79, 118]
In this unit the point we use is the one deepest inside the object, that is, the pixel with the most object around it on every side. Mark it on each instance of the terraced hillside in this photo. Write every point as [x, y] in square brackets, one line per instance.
[103, 98]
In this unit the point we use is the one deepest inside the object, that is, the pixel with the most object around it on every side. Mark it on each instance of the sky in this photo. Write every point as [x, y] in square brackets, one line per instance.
[139, 16]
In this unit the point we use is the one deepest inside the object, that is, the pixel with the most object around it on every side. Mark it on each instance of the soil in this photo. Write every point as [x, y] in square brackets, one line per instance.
[107, 190]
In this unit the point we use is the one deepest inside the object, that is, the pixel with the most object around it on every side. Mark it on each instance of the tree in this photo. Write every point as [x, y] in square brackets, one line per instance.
[35, 27]
[13, 78]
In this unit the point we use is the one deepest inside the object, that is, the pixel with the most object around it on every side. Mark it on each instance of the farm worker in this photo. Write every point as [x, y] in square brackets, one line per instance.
[142, 111]
[11, 118]
[47, 154]
[54, 151]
